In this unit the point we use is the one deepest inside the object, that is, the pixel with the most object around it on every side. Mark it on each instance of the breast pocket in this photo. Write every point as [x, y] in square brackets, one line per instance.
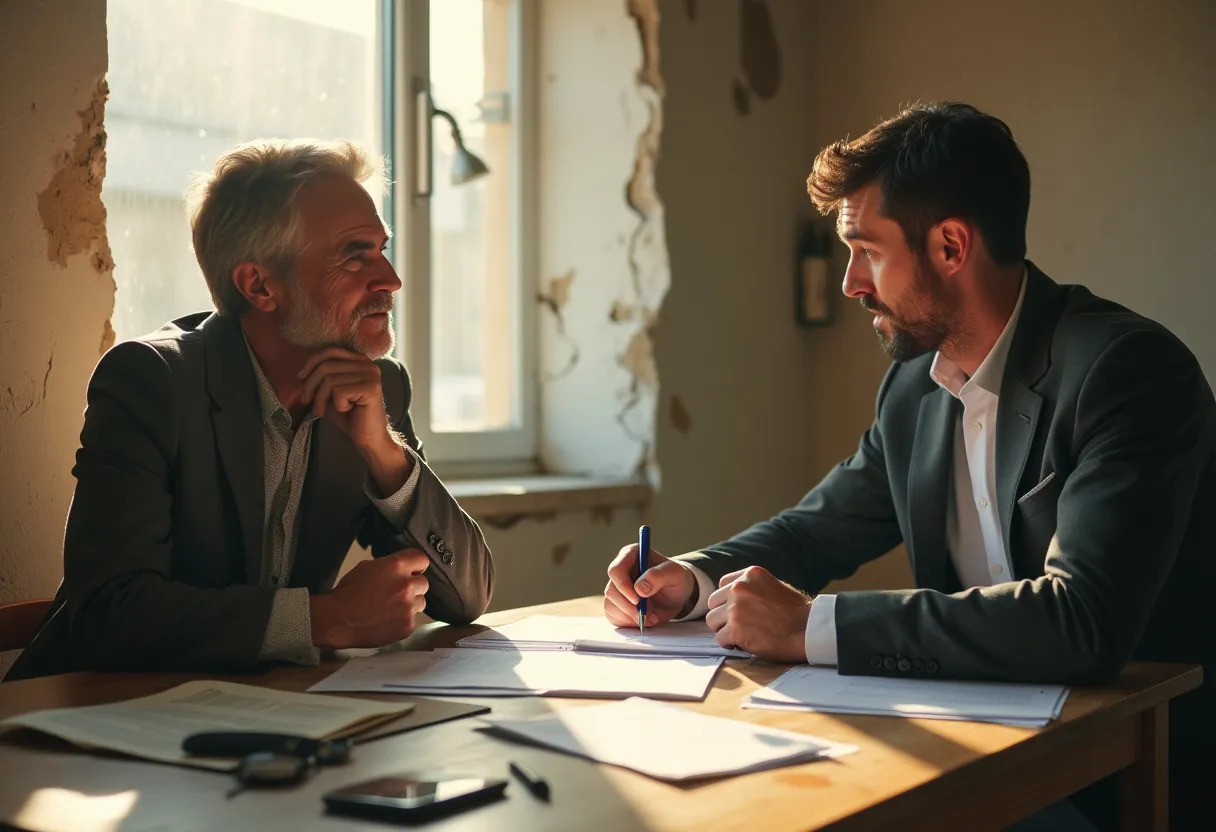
[1037, 509]
[1041, 498]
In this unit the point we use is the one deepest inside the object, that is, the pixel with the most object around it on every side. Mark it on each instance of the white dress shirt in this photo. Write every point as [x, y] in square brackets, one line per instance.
[973, 527]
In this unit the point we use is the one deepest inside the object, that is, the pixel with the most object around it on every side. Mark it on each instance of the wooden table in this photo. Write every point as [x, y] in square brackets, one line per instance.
[909, 774]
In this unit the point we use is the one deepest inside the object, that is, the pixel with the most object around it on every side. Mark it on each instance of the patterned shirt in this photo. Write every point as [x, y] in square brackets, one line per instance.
[285, 453]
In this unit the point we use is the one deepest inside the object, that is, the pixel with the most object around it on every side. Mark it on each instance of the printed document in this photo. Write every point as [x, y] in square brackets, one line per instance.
[153, 727]
[823, 689]
[667, 741]
[464, 672]
[596, 634]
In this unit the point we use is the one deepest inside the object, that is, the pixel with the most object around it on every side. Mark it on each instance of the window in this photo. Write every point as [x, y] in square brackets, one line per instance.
[467, 304]
[191, 79]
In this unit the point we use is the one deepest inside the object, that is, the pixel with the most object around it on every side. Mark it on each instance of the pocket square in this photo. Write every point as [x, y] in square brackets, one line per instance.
[1046, 480]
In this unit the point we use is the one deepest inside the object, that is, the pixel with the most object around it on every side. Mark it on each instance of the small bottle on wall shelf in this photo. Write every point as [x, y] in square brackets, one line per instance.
[814, 297]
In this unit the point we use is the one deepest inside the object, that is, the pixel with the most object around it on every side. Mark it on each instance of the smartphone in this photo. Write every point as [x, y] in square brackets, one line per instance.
[412, 797]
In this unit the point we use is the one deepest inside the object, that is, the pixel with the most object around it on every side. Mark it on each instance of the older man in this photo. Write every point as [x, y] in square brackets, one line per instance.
[229, 459]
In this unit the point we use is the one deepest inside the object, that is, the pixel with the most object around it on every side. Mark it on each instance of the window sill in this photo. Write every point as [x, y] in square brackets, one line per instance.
[503, 501]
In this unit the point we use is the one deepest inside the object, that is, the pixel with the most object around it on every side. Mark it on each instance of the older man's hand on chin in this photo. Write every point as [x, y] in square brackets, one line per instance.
[345, 387]
[753, 611]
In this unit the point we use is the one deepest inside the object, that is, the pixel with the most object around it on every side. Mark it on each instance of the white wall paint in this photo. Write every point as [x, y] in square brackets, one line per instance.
[597, 415]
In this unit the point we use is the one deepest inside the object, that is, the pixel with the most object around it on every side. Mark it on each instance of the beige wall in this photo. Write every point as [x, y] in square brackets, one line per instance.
[1113, 103]
[56, 291]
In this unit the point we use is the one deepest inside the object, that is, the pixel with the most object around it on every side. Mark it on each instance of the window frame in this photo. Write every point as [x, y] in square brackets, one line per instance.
[406, 38]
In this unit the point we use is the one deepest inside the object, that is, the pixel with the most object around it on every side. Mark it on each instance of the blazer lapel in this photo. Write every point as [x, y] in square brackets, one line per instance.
[237, 420]
[929, 486]
[1019, 407]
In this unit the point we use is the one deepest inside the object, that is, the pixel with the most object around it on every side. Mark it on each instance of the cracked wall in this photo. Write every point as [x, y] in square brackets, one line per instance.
[56, 286]
[603, 258]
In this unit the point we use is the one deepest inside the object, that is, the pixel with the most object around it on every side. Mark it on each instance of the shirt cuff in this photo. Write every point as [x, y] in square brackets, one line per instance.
[289, 634]
[395, 507]
[821, 631]
[705, 588]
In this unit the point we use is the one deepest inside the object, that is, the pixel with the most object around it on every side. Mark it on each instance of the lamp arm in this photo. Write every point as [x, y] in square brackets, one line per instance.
[444, 114]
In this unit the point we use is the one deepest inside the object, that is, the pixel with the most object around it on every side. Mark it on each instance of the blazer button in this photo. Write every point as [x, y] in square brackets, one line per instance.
[930, 666]
[432, 538]
[904, 665]
[876, 662]
[918, 666]
[447, 558]
[889, 663]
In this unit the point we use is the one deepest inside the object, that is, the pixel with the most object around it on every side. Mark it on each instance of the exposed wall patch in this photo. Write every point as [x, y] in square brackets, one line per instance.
[646, 14]
[681, 419]
[649, 266]
[107, 338]
[759, 53]
[70, 206]
[560, 552]
[554, 298]
[638, 359]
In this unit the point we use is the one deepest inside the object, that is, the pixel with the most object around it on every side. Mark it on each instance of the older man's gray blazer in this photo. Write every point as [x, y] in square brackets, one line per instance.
[163, 547]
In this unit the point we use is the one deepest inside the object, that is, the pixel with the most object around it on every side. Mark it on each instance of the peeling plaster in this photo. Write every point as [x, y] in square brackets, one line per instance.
[649, 267]
[638, 359]
[646, 14]
[107, 337]
[554, 299]
[599, 396]
[760, 56]
[70, 206]
[681, 419]
[560, 552]
[558, 294]
[28, 396]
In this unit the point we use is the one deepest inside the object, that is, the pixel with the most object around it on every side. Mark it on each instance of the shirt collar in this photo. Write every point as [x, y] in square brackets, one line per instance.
[267, 398]
[951, 378]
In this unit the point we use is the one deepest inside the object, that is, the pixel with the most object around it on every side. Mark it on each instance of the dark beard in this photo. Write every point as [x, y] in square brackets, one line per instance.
[907, 342]
[903, 346]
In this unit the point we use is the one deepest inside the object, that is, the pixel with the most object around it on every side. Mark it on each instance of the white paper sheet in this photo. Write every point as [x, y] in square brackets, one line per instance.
[667, 741]
[463, 672]
[596, 634]
[153, 727]
[823, 689]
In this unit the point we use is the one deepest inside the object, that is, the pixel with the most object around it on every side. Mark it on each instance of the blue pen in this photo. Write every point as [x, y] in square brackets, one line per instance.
[643, 565]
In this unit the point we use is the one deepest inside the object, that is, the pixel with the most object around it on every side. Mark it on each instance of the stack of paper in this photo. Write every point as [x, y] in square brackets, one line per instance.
[596, 634]
[153, 727]
[667, 741]
[823, 689]
[462, 672]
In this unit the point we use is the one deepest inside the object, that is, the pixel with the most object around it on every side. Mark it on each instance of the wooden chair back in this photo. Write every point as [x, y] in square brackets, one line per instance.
[19, 622]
